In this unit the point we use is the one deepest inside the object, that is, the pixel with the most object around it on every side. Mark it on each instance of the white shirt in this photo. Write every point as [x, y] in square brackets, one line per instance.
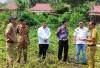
[44, 33]
[81, 33]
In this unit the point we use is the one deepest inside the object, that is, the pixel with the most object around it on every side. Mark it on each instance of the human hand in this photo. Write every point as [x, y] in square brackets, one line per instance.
[81, 39]
[74, 43]
[45, 39]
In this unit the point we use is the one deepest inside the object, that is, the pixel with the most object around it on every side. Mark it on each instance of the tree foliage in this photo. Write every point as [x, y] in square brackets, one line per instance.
[76, 2]
[22, 4]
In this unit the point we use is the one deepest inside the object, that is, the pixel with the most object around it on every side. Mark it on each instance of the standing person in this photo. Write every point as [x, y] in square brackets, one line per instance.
[44, 36]
[80, 32]
[91, 42]
[23, 39]
[62, 34]
[10, 34]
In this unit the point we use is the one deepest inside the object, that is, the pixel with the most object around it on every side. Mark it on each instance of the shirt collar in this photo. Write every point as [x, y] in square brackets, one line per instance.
[92, 29]
[63, 27]
[22, 26]
[81, 28]
[44, 28]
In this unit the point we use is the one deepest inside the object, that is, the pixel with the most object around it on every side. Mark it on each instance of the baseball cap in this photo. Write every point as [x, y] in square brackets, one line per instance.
[12, 17]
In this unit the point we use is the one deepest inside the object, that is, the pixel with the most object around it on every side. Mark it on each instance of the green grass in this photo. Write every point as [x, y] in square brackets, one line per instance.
[51, 60]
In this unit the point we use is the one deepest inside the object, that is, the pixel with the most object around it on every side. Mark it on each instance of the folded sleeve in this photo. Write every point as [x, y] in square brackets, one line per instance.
[8, 29]
[75, 33]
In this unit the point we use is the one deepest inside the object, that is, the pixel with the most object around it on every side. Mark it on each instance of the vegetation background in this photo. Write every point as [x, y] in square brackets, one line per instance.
[79, 8]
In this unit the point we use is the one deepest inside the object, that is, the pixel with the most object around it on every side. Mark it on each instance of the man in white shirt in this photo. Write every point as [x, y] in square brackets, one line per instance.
[80, 32]
[44, 36]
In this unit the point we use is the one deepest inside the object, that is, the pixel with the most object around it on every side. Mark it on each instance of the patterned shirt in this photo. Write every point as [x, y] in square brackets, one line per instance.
[63, 34]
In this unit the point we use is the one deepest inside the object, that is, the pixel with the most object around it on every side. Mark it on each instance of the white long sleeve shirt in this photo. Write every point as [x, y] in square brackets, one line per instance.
[81, 33]
[44, 33]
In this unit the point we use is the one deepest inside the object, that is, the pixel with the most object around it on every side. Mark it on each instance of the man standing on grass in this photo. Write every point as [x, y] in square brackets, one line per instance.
[80, 32]
[10, 34]
[23, 39]
[44, 36]
[91, 42]
[62, 34]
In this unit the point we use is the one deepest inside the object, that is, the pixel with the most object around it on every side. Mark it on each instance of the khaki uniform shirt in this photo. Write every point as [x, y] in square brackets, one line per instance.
[11, 30]
[93, 34]
[22, 33]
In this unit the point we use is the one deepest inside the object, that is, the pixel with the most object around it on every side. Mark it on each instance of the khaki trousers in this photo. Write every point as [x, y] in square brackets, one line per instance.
[91, 54]
[22, 45]
[10, 55]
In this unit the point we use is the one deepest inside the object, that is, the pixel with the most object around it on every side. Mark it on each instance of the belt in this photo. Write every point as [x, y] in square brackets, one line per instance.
[63, 39]
[91, 45]
[10, 41]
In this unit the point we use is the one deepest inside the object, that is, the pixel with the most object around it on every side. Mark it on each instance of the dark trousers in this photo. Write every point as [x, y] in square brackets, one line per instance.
[63, 44]
[42, 50]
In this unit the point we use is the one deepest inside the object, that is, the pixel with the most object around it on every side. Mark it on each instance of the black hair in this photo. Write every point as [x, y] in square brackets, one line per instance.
[64, 21]
[22, 19]
[43, 21]
[93, 23]
[81, 21]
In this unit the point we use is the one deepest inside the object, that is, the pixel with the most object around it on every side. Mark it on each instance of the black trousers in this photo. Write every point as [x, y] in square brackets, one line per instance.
[42, 50]
[63, 44]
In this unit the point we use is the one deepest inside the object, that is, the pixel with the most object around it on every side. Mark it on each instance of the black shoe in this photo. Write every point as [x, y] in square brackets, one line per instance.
[43, 57]
[84, 63]
[39, 56]
[65, 61]
[59, 59]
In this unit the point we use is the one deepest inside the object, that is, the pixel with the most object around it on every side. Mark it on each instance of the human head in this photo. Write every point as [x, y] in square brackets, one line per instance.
[44, 24]
[91, 25]
[65, 22]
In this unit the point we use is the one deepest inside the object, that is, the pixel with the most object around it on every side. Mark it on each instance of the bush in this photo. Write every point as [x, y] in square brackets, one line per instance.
[66, 16]
[84, 8]
[52, 21]
[31, 19]
[4, 17]
[43, 16]
[61, 9]
[75, 18]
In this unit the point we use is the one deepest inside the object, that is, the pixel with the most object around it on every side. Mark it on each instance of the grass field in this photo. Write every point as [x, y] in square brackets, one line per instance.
[51, 60]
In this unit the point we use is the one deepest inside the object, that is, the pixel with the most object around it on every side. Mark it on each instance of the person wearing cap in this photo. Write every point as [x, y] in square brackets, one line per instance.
[44, 36]
[10, 34]
[80, 32]
[91, 42]
[23, 39]
[62, 34]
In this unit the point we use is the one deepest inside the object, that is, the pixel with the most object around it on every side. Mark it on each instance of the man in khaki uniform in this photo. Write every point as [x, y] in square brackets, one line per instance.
[10, 34]
[23, 39]
[91, 42]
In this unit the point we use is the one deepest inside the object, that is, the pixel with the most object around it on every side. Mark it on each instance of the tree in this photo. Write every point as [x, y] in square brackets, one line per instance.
[2, 4]
[33, 2]
[75, 2]
[22, 4]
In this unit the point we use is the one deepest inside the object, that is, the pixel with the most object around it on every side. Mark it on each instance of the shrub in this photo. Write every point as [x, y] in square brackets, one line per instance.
[43, 16]
[31, 19]
[75, 18]
[84, 8]
[61, 9]
[66, 16]
[52, 21]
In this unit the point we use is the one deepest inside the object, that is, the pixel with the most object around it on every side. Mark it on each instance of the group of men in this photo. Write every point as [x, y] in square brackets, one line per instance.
[83, 39]
[22, 41]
